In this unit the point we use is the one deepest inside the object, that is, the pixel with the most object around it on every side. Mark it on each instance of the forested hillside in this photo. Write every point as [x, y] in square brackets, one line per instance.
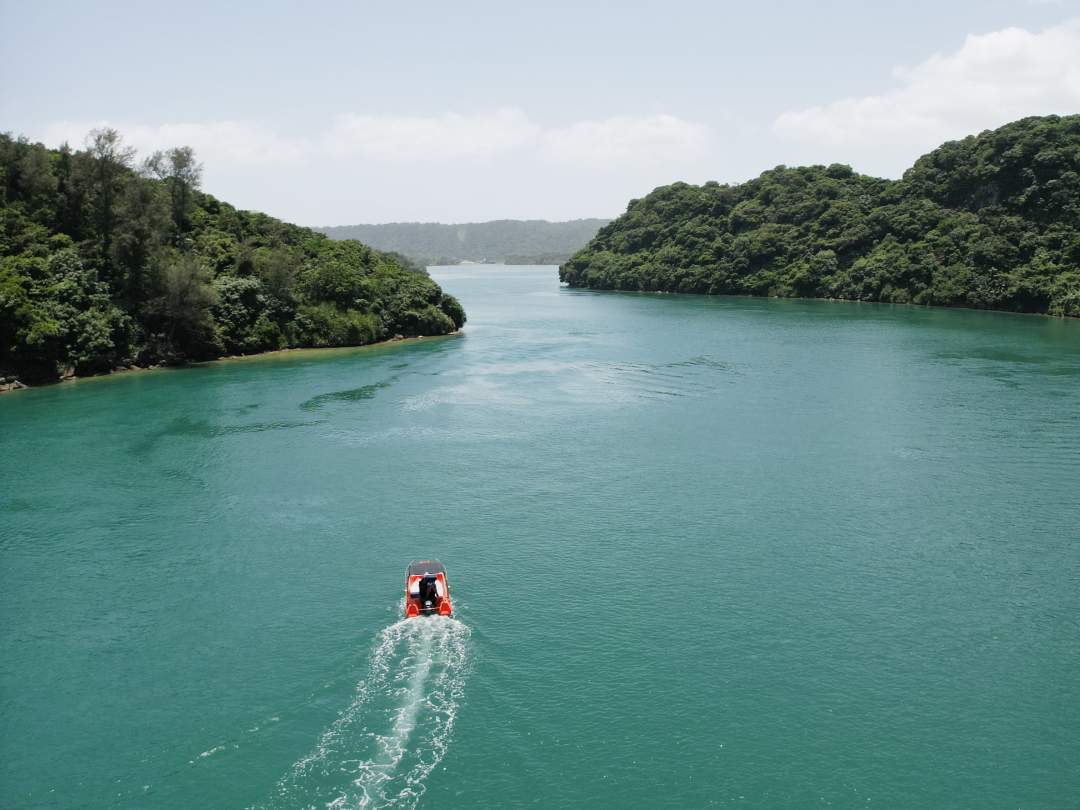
[991, 221]
[105, 262]
[512, 241]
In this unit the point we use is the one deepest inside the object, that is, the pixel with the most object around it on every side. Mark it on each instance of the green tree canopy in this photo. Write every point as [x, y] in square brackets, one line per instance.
[101, 265]
[991, 221]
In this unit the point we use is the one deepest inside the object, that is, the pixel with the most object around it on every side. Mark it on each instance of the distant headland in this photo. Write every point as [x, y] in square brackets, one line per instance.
[990, 222]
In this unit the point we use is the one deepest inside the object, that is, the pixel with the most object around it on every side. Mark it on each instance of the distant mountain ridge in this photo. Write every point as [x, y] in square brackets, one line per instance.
[511, 241]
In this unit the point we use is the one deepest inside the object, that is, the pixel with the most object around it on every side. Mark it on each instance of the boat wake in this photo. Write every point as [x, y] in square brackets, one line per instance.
[380, 750]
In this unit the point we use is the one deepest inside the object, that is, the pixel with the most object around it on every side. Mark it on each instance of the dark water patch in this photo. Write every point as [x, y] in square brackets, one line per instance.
[361, 394]
[18, 505]
[704, 361]
[187, 427]
[201, 429]
[182, 475]
[1040, 363]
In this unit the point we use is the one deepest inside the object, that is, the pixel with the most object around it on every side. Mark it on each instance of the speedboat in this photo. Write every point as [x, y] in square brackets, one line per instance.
[426, 591]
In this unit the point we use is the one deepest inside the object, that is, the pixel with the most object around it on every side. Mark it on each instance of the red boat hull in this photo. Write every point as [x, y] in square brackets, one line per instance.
[436, 603]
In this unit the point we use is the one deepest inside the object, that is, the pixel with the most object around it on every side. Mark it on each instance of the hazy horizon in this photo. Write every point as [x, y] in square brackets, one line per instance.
[475, 222]
[478, 112]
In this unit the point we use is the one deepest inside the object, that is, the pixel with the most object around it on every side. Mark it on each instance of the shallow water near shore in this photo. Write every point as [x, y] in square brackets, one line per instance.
[704, 552]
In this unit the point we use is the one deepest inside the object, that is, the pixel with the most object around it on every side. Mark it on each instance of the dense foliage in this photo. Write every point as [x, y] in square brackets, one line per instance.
[510, 241]
[992, 221]
[102, 265]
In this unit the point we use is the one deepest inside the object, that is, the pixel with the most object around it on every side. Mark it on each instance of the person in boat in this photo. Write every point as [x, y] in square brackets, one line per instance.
[429, 591]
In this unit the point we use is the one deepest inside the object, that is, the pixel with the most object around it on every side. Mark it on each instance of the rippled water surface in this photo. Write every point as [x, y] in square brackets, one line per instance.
[705, 552]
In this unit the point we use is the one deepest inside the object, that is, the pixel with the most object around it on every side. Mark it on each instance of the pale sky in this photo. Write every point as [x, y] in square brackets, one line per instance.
[337, 113]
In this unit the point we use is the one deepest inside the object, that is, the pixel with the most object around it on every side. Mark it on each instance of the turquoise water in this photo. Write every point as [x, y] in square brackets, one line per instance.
[704, 552]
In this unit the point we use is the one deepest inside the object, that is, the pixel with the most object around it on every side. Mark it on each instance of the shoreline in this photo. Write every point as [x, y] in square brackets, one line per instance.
[567, 285]
[274, 354]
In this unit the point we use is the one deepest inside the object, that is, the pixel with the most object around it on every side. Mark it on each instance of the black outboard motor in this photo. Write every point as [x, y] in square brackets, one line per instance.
[429, 594]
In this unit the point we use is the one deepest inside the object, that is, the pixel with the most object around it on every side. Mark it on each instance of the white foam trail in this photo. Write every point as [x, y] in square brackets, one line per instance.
[380, 750]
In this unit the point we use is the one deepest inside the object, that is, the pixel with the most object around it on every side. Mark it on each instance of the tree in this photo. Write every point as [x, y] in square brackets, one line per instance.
[89, 324]
[143, 227]
[991, 221]
[109, 164]
[99, 264]
[70, 216]
[181, 174]
[55, 313]
[452, 307]
[35, 174]
[184, 306]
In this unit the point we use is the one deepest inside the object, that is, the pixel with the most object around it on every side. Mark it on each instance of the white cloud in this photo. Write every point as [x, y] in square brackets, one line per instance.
[231, 142]
[449, 167]
[622, 141]
[992, 79]
[618, 141]
[626, 141]
[446, 137]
